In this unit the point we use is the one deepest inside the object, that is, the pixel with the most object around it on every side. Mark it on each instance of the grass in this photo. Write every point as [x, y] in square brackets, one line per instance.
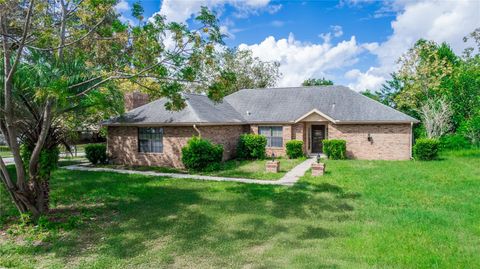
[361, 214]
[252, 169]
[5, 154]
[158, 169]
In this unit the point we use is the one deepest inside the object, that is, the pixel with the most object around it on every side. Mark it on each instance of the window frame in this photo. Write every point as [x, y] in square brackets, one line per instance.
[153, 137]
[269, 138]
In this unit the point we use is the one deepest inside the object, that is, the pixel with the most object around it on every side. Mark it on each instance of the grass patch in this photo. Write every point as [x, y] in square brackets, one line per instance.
[252, 169]
[361, 214]
[158, 169]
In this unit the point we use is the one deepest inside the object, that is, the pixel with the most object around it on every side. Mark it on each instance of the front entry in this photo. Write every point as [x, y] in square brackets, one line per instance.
[318, 134]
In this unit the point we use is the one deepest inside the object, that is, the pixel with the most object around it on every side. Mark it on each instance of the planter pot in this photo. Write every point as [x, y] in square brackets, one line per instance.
[273, 166]
[318, 169]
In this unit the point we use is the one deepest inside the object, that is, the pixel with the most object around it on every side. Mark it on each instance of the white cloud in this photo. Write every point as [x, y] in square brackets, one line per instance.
[122, 6]
[362, 81]
[301, 60]
[337, 30]
[181, 11]
[441, 21]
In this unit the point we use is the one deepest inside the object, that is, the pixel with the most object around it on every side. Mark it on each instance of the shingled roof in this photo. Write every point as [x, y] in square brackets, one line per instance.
[274, 105]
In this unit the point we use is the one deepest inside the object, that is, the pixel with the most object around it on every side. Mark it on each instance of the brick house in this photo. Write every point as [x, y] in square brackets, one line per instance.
[152, 135]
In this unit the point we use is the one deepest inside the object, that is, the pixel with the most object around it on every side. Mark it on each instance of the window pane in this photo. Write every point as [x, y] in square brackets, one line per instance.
[144, 146]
[264, 131]
[277, 142]
[277, 131]
[150, 139]
[274, 135]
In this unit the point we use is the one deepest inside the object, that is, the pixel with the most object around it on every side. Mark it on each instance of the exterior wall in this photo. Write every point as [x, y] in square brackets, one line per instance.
[390, 141]
[123, 144]
[300, 133]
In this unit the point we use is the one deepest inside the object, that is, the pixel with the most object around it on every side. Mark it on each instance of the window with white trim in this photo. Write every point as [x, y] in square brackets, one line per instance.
[274, 135]
[150, 139]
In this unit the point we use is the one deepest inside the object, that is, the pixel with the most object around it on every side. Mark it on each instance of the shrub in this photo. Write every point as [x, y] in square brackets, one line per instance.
[454, 142]
[200, 154]
[48, 160]
[426, 149]
[96, 153]
[471, 129]
[251, 146]
[294, 149]
[335, 149]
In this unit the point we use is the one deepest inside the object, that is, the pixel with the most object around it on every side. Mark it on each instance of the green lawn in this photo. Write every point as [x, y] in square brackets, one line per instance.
[5, 154]
[253, 169]
[361, 214]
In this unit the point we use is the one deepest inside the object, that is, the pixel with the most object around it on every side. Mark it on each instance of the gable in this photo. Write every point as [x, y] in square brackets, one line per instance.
[315, 115]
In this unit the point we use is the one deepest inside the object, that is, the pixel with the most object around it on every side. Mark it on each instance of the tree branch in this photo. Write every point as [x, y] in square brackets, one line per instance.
[26, 28]
[47, 117]
[73, 42]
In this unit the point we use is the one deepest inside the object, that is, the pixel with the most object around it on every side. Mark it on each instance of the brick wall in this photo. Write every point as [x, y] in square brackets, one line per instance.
[123, 144]
[390, 141]
[299, 133]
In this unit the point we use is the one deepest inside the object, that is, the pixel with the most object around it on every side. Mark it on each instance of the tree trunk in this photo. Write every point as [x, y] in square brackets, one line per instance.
[36, 199]
[42, 190]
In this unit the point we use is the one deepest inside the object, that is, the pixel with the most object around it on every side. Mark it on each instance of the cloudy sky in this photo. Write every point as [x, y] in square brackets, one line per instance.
[352, 42]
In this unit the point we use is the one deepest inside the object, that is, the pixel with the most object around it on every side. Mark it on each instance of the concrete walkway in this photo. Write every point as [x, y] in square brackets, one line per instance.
[9, 160]
[292, 176]
[288, 180]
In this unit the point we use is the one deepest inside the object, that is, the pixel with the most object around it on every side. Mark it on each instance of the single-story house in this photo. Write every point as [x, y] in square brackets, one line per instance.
[152, 135]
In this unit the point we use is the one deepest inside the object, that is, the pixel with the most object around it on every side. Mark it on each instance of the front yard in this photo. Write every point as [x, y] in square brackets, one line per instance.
[251, 169]
[361, 214]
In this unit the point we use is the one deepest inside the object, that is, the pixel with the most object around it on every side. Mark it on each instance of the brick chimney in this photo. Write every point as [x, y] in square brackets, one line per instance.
[135, 99]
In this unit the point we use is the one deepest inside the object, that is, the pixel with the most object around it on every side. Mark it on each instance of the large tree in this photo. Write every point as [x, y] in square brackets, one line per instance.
[250, 72]
[423, 72]
[63, 56]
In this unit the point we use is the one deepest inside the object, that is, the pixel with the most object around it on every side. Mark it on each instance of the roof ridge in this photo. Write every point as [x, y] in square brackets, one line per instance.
[189, 105]
[293, 87]
[194, 93]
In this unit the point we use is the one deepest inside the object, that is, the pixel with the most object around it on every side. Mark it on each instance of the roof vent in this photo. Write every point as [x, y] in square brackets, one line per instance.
[333, 106]
[248, 112]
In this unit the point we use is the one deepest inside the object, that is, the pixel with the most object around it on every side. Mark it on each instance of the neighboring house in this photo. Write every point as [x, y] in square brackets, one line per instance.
[152, 135]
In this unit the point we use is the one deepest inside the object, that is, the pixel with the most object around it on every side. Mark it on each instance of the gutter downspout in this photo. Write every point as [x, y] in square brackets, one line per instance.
[411, 140]
[198, 131]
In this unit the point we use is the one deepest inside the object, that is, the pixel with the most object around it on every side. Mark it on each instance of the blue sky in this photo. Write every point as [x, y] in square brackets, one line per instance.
[352, 42]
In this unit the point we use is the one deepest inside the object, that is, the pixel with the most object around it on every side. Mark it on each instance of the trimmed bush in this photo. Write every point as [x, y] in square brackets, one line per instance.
[426, 149]
[454, 142]
[251, 146]
[200, 154]
[294, 149]
[96, 153]
[335, 149]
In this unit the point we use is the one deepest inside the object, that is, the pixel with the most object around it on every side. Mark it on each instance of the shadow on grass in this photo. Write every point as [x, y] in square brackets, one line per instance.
[128, 212]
